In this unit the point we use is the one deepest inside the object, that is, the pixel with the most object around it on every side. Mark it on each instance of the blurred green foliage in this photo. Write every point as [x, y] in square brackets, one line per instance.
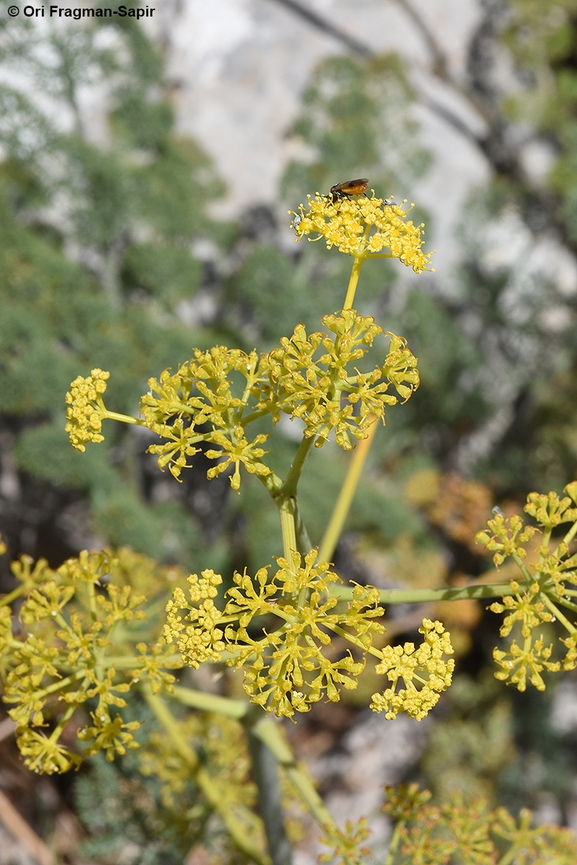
[97, 254]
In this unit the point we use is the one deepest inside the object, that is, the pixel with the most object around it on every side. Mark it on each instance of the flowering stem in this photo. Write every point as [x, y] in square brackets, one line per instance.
[128, 662]
[92, 600]
[206, 702]
[275, 488]
[519, 562]
[569, 604]
[287, 505]
[61, 683]
[352, 287]
[345, 498]
[422, 596]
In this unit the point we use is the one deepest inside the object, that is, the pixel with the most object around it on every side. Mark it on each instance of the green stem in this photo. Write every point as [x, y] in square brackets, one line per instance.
[565, 603]
[124, 418]
[570, 534]
[11, 596]
[268, 732]
[255, 415]
[287, 506]
[353, 281]
[557, 613]
[61, 683]
[522, 567]
[304, 543]
[421, 596]
[204, 702]
[294, 533]
[91, 589]
[346, 495]
[356, 642]
[211, 791]
[289, 487]
[395, 840]
[272, 483]
[56, 732]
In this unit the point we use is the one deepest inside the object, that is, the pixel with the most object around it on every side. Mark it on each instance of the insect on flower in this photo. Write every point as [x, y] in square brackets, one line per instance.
[349, 187]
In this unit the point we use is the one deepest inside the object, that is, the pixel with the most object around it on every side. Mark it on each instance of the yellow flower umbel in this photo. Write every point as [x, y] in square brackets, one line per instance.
[363, 227]
[423, 669]
[86, 409]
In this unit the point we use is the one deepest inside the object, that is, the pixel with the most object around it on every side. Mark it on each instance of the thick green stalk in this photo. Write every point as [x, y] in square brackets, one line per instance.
[58, 685]
[123, 418]
[56, 732]
[289, 488]
[353, 281]
[210, 702]
[289, 516]
[570, 534]
[422, 596]
[286, 506]
[393, 846]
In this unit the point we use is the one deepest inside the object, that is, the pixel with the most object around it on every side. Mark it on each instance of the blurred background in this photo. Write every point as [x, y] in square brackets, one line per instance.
[146, 171]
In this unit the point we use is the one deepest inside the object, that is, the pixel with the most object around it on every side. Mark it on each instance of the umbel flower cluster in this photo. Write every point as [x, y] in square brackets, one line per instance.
[545, 591]
[76, 649]
[310, 646]
[313, 377]
[79, 647]
[470, 831]
[363, 227]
